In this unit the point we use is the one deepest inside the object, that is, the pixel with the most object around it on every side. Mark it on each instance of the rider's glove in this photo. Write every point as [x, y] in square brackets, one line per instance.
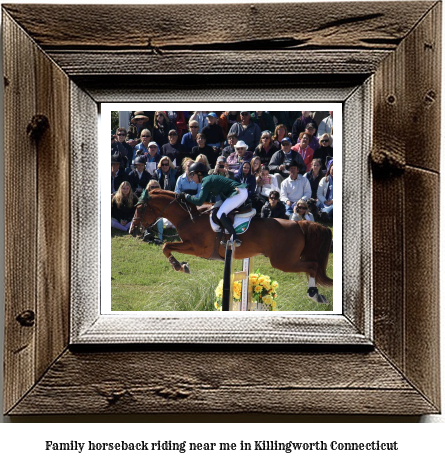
[182, 196]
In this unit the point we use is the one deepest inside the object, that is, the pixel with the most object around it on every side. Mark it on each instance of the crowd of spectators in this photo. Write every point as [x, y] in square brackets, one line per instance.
[285, 158]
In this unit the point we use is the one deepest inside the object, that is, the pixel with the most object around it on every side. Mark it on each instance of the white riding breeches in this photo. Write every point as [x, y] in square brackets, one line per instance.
[233, 202]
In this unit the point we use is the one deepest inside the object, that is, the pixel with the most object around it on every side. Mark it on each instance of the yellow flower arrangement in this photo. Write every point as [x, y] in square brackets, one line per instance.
[264, 291]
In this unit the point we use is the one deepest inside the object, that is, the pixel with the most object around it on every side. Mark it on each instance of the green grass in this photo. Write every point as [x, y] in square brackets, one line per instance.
[143, 280]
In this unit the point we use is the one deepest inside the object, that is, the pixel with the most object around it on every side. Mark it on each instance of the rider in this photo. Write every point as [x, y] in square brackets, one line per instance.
[231, 192]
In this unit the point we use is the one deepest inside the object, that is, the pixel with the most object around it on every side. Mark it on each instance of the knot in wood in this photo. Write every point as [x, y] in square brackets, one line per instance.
[430, 97]
[37, 126]
[26, 318]
[391, 99]
[387, 163]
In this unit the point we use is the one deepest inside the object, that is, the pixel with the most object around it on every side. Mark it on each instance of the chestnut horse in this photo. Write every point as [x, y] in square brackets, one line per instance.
[294, 247]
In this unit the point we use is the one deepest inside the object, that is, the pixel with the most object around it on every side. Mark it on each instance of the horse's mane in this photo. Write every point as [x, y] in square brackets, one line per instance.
[145, 197]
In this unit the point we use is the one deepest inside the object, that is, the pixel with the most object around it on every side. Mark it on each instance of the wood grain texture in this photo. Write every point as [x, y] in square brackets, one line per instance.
[20, 211]
[159, 27]
[223, 382]
[53, 215]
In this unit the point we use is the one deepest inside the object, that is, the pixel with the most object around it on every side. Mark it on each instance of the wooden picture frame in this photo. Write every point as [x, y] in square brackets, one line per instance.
[388, 54]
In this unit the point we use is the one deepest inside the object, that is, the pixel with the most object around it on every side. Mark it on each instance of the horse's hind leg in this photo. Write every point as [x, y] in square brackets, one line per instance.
[310, 268]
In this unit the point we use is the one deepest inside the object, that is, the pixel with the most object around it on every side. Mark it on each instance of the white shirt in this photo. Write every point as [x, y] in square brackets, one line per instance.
[295, 190]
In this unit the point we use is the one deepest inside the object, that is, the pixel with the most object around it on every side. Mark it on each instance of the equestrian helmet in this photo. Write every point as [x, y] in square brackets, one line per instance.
[198, 168]
[139, 161]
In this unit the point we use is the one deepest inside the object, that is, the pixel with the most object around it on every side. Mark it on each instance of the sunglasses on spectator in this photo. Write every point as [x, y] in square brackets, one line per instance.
[194, 127]
[301, 208]
[145, 137]
[324, 140]
[165, 164]
[265, 137]
[122, 134]
[273, 198]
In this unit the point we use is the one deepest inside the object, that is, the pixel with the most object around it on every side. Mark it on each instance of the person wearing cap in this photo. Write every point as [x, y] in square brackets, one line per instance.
[247, 130]
[280, 161]
[139, 122]
[300, 125]
[120, 149]
[118, 175]
[232, 193]
[214, 132]
[139, 177]
[229, 149]
[184, 182]
[189, 140]
[153, 157]
[325, 193]
[239, 157]
[294, 188]
[222, 168]
[173, 149]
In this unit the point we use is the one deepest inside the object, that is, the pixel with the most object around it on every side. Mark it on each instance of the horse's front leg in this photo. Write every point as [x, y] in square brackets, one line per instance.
[181, 247]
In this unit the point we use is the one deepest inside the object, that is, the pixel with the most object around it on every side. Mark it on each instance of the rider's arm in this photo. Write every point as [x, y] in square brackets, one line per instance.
[201, 197]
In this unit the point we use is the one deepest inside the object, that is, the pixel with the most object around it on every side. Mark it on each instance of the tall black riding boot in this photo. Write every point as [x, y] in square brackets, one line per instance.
[227, 224]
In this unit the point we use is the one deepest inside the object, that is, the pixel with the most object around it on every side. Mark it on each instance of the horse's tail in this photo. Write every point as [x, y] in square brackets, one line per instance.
[318, 240]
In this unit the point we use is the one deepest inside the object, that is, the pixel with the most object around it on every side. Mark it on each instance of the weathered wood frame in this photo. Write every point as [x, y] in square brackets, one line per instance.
[53, 70]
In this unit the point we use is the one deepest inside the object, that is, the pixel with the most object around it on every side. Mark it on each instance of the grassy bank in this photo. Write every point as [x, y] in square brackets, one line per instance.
[143, 280]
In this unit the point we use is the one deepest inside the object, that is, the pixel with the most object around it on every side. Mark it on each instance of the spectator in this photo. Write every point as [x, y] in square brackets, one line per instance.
[264, 120]
[161, 128]
[181, 123]
[139, 122]
[255, 165]
[245, 176]
[173, 149]
[146, 140]
[148, 237]
[241, 154]
[200, 118]
[300, 125]
[166, 174]
[139, 178]
[294, 188]
[313, 143]
[185, 182]
[189, 139]
[232, 139]
[265, 148]
[301, 212]
[280, 161]
[121, 134]
[325, 194]
[314, 176]
[213, 132]
[325, 126]
[222, 168]
[201, 158]
[118, 175]
[304, 150]
[204, 149]
[123, 205]
[274, 208]
[153, 157]
[246, 130]
[265, 183]
[279, 134]
[325, 152]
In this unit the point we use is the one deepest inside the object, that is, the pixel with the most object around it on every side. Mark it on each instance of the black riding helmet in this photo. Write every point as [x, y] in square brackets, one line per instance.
[198, 168]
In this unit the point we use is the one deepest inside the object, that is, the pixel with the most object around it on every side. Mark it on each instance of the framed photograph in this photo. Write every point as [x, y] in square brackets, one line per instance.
[378, 355]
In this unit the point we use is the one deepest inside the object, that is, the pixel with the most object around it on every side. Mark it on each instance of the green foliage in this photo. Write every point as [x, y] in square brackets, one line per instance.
[142, 279]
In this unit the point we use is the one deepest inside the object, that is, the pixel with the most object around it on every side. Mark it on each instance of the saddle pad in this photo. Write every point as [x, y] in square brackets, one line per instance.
[241, 223]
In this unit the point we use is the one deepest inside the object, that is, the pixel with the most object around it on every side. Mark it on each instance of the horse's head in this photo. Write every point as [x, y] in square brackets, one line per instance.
[150, 206]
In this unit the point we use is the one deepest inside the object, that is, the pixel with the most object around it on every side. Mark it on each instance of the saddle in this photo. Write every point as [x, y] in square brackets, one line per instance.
[243, 210]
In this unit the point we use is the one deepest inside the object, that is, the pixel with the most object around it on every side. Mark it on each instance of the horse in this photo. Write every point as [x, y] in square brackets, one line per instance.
[294, 247]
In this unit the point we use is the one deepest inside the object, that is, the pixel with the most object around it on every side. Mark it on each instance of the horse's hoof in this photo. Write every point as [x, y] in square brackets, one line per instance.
[185, 267]
[318, 298]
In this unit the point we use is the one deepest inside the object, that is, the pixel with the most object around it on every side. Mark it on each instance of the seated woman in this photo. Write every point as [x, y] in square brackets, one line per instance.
[123, 206]
[265, 148]
[325, 152]
[185, 182]
[325, 194]
[314, 176]
[245, 176]
[265, 183]
[274, 208]
[311, 129]
[279, 134]
[301, 212]
[303, 148]
[203, 149]
[166, 174]
[161, 128]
